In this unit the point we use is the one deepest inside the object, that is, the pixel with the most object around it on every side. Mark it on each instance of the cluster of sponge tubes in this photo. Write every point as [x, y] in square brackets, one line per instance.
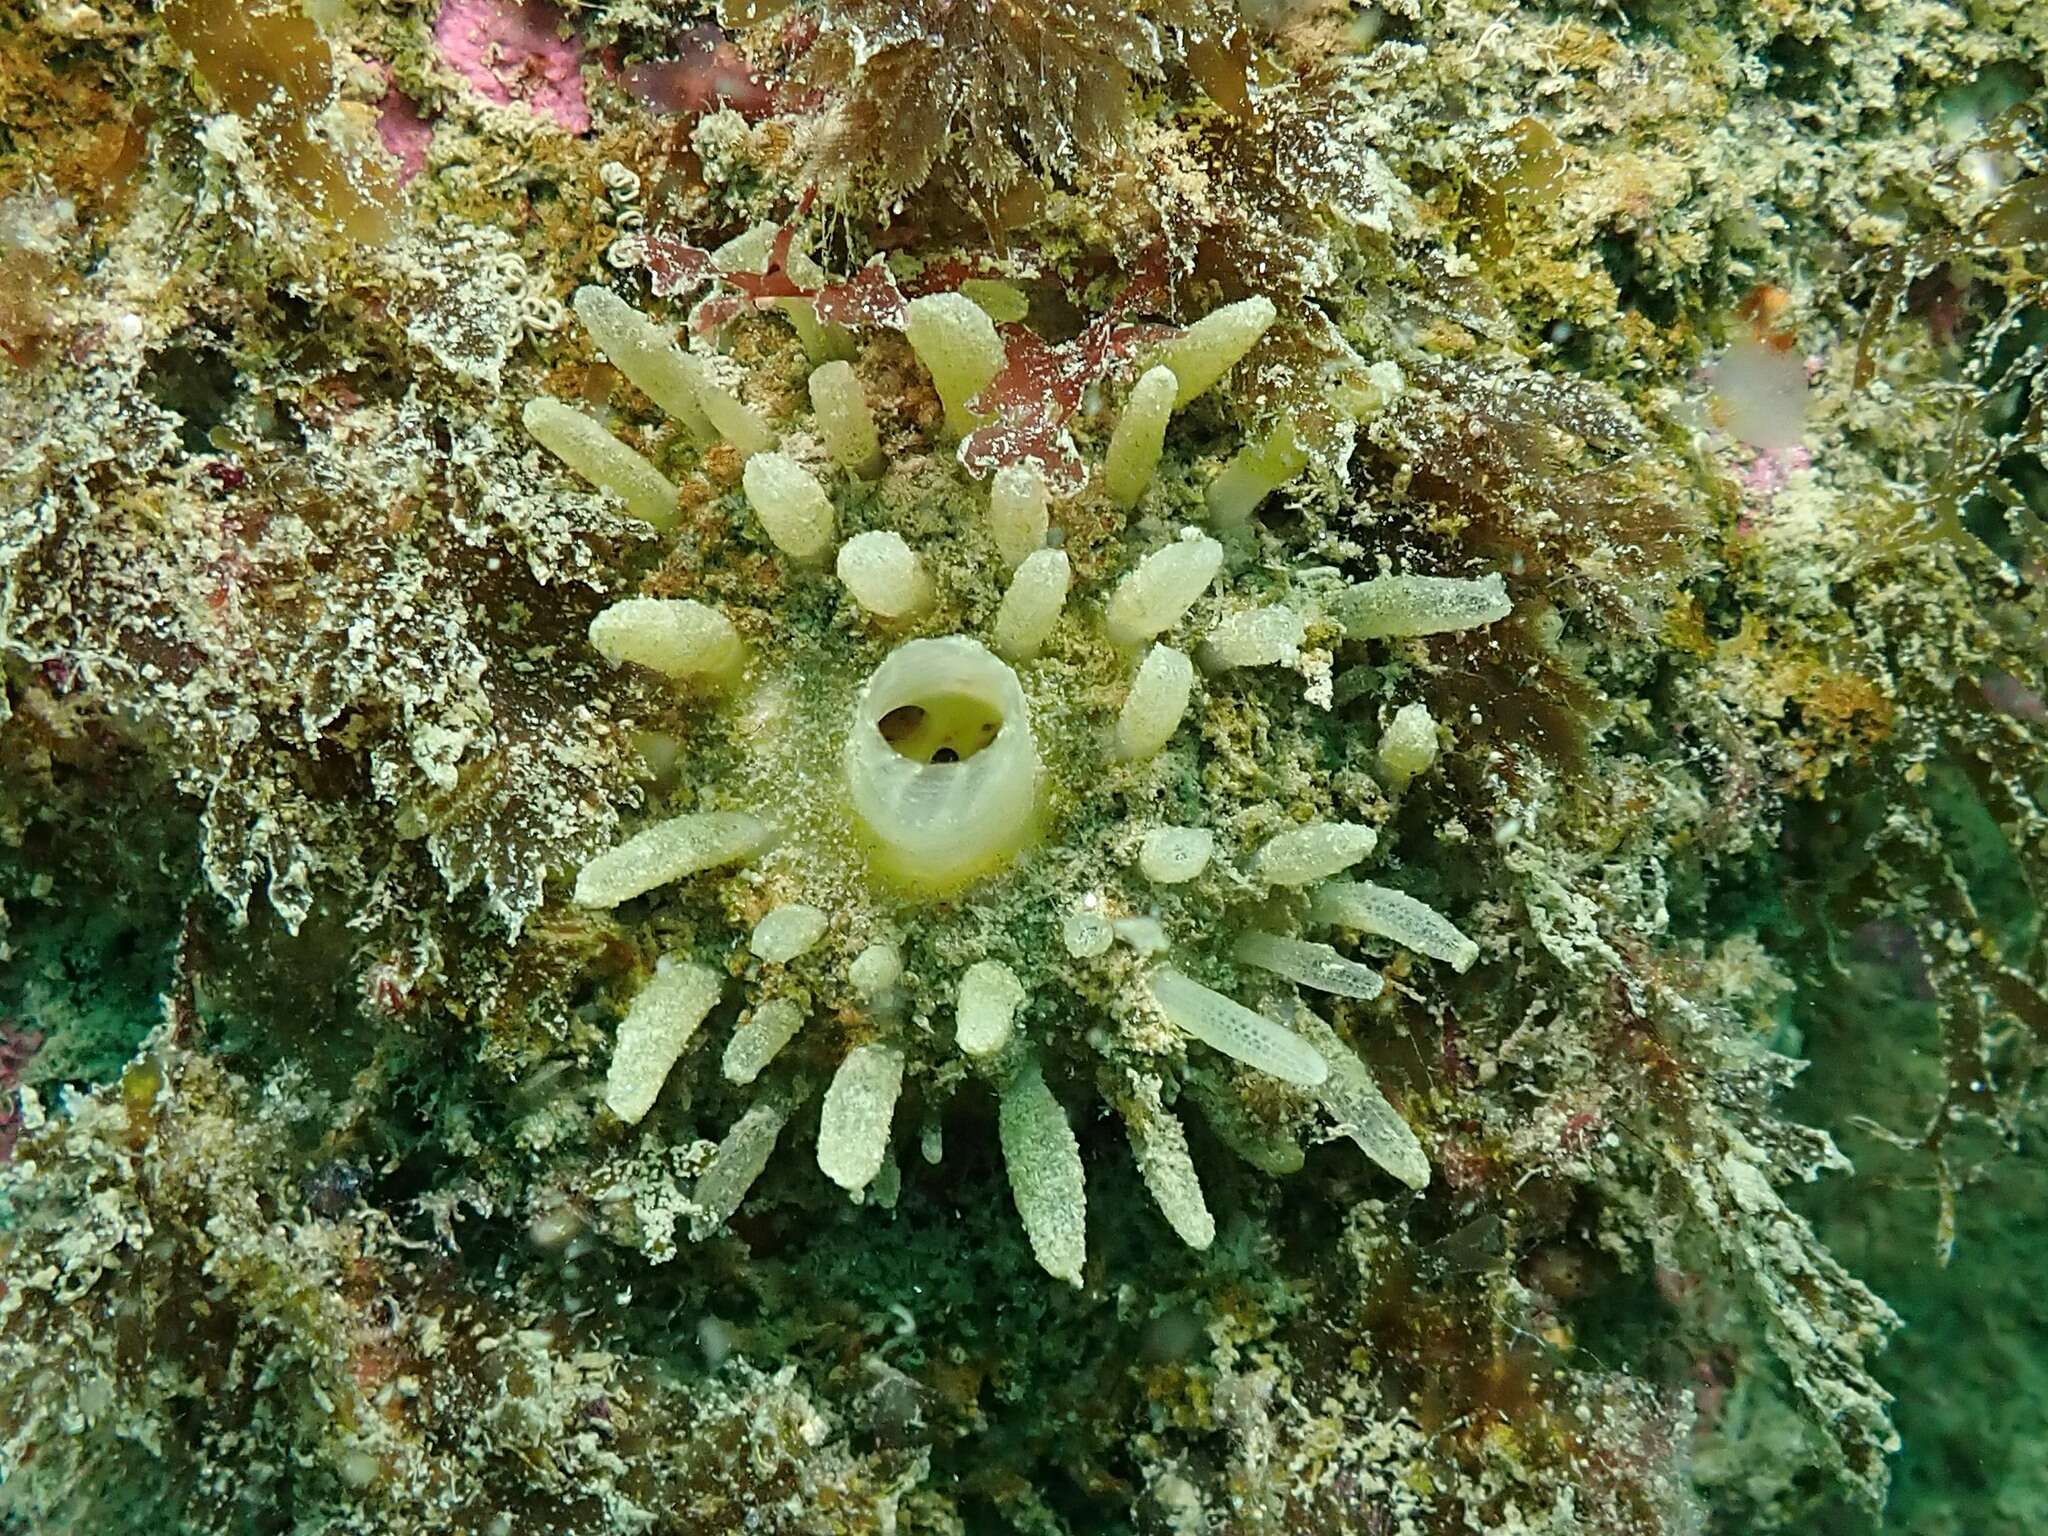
[945, 818]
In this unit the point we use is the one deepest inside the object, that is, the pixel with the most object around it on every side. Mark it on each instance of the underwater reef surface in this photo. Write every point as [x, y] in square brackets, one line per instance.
[887, 766]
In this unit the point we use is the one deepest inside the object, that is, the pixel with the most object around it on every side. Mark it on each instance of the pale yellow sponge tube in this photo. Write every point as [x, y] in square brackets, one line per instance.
[659, 1023]
[940, 761]
[1032, 606]
[787, 932]
[885, 575]
[639, 349]
[586, 447]
[759, 1040]
[1408, 746]
[1152, 710]
[875, 971]
[985, 1010]
[791, 504]
[1255, 472]
[1225, 1025]
[1139, 437]
[1211, 347]
[1017, 512]
[1307, 964]
[957, 343]
[1046, 1179]
[1254, 637]
[1160, 1145]
[739, 1161]
[1361, 1111]
[1158, 593]
[844, 420]
[1175, 855]
[667, 851]
[1395, 915]
[735, 421]
[1394, 607]
[677, 637]
[1306, 854]
[853, 1123]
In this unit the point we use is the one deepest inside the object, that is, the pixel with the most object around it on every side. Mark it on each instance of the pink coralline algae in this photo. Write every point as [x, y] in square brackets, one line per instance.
[1770, 471]
[405, 132]
[516, 52]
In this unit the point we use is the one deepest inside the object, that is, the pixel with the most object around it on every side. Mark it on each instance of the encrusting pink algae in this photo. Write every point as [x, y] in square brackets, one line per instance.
[516, 52]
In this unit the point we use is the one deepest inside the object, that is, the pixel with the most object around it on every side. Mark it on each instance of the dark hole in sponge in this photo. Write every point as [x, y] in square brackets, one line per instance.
[948, 728]
[900, 723]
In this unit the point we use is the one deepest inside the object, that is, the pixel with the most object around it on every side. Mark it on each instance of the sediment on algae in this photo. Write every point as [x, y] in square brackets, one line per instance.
[532, 992]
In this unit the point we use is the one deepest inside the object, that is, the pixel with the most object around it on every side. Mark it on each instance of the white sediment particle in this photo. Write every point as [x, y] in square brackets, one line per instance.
[1308, 964]
[1228, 1026]
[677, 637]
[1303, 855]
[791, 504]
[737, 1163]
[1160, 1145]
[1139, 437]
[1153, 708]
[1408, 746]
[1255, 472]
[985, 1009]
[1018, 515]
[646, 355]
[884, 574]
[844, 420]
[957, 343]
[1209, 348]
[1086, 935]
[1395, 915]
[586, 447]
[875, 970]
[760, 1039]
[659, 1023]
[787, 932]
[853, 1124]
[1032, 606]
[1158, 592]
[667, 851]
[1044, 1164]
[1254, 637]
[1175, 855]
[1391, 607]
[1361, 1111]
